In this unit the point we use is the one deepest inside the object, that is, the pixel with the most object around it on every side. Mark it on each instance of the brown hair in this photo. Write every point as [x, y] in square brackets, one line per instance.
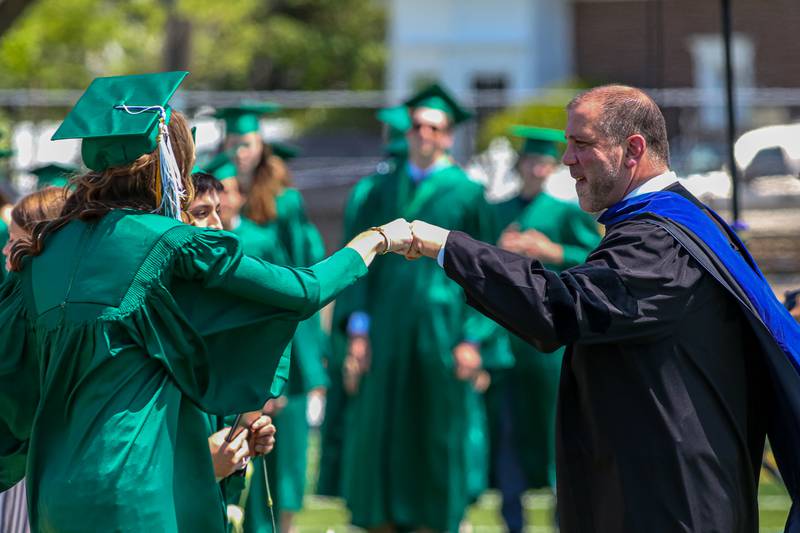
[626, 111]
[270, 177]
[45, 204]
[131, 186]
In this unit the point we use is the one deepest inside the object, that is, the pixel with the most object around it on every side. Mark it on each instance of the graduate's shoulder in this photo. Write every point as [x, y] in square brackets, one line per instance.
[139, 232]
[144, 221]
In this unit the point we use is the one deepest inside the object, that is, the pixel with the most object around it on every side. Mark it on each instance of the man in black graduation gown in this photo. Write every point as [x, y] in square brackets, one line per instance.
[665, 397]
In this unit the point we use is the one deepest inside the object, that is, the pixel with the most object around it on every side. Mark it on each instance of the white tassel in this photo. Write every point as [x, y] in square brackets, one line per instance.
[172, 190]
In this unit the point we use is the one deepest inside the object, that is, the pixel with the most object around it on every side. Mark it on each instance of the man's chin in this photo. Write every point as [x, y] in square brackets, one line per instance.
[588, 203]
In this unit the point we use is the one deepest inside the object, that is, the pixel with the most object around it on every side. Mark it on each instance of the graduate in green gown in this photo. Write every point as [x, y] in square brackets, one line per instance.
[119, 321]
[396, 121]
[274, 220]
[414, 344]
[522, 400]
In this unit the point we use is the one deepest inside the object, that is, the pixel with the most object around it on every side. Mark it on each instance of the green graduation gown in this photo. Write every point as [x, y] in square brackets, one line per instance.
[116, 339]
[533, 382]
[405, 455]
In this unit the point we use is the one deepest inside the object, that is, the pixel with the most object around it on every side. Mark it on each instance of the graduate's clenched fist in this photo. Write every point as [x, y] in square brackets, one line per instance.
[398, 232]
[392, 237]
[428, 240]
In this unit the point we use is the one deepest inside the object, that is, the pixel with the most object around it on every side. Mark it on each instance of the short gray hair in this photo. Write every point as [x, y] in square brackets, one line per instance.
[626, 111]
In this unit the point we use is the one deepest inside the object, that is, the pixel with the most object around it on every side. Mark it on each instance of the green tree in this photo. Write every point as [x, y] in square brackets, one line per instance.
[65, 43]
[243, 44]
[289, 44]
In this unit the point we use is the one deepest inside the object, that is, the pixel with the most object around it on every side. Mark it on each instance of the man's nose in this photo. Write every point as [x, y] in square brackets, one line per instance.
[569, 157]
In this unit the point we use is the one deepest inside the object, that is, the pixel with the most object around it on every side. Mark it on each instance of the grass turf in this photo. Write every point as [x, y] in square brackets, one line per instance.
[330, 515]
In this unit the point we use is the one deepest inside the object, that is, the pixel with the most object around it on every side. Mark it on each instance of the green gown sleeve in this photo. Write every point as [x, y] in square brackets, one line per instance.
[19, 384]
[299, 291]
[229, 300]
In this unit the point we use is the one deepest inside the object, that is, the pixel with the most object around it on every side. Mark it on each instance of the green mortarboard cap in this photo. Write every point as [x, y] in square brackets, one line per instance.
[539, 141]
[54, 174]
[111, 135]
[436, 97]
[221, 167]
[284, 151]
[243, 118]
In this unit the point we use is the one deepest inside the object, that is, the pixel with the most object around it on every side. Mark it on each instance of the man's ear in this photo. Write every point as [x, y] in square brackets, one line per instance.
[636, 147]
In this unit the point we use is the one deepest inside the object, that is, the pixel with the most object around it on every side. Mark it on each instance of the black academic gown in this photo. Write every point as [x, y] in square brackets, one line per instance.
[661, 422]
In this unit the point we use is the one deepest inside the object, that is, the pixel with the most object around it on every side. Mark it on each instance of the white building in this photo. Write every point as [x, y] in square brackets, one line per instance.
[512, 45]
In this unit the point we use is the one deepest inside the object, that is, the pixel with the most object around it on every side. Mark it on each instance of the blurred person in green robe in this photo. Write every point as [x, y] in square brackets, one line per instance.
[265, 210]
[396, 122]
[119, 321]
[414, 344]
[522, 400]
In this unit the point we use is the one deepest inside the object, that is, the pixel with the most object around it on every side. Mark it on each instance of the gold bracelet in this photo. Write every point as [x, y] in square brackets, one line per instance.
[386, 239]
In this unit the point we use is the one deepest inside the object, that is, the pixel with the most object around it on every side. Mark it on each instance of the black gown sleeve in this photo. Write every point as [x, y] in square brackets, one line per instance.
[637, 276]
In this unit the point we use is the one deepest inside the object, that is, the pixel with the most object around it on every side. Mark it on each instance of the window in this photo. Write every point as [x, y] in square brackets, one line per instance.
[708, 58]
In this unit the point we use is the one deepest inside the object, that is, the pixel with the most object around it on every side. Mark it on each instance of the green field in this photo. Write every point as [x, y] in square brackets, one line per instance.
[326, 514]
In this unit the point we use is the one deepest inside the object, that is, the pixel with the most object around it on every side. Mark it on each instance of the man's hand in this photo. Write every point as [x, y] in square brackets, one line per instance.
[428, 240]
[467, 359]
[228, 457]
[357, 362]
[262, 436]
[533, 244]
